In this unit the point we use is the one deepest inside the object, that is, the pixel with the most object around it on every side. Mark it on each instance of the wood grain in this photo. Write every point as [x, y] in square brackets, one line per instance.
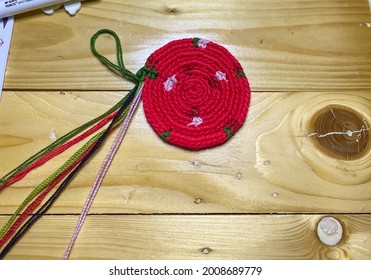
[291, 45]
[259, 196]
[250, 173]
[194, 237]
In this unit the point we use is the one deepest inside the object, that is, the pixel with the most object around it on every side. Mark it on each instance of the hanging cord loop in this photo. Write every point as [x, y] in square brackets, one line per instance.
[120, 67]
[117, 68]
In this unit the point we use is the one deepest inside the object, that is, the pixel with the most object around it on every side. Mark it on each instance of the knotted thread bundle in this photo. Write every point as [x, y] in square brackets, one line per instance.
[195, 96]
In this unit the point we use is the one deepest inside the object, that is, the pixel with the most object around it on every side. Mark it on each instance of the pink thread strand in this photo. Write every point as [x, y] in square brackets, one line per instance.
[102, 171]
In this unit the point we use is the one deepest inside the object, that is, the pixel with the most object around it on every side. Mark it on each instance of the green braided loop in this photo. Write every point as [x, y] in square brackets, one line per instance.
[120, 68]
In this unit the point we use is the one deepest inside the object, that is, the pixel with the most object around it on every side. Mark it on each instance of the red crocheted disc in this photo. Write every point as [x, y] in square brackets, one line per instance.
[200, 96]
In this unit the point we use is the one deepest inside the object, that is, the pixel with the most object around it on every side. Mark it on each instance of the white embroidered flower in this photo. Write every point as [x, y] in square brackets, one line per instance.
[220, 76]
[196, 121]
[202, 43]
[169, 83]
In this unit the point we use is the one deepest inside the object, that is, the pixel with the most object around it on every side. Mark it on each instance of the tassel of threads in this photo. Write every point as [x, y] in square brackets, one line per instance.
[120, 114]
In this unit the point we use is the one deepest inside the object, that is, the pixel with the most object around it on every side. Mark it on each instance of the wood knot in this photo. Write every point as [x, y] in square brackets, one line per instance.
[340, 132]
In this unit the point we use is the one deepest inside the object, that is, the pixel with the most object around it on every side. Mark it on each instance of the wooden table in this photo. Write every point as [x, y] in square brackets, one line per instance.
[259, 196]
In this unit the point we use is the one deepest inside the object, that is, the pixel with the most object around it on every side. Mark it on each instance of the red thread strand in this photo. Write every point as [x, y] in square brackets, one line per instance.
[53, 153]
[30, 208]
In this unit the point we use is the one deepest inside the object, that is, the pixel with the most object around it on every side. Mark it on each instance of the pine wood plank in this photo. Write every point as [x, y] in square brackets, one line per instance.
[194, 237]
[291, 45]
[313, 56]
[270, 165]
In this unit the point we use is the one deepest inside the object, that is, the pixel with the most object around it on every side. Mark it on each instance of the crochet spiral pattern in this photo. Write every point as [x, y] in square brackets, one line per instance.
[200, 96]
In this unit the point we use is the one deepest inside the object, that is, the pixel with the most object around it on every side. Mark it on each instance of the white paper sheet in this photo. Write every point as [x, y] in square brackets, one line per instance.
[6, 29]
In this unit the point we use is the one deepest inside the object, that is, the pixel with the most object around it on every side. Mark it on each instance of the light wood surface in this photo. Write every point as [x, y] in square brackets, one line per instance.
[195, 237]
[291, 45]
[309, 67]
[149, 176]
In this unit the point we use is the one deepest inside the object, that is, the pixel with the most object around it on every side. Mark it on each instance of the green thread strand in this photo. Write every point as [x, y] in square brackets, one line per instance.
[46, 182]
[59, 141]
[120, 68]
[145, 71]
[50, 179]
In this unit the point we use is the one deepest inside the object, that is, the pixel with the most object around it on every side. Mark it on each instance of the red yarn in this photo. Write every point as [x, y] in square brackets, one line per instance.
[200, 97]
[18, 176]
[19, 221]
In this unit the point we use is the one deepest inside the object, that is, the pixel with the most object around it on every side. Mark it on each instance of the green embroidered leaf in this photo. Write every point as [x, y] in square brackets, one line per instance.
[228, 131]
[241, 74]
[165, 135]
[195, 42]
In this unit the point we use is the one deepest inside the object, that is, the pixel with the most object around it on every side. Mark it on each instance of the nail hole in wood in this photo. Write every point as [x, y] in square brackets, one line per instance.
[205, 250]
[172, 11]
[239, 176]
[196, 163]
